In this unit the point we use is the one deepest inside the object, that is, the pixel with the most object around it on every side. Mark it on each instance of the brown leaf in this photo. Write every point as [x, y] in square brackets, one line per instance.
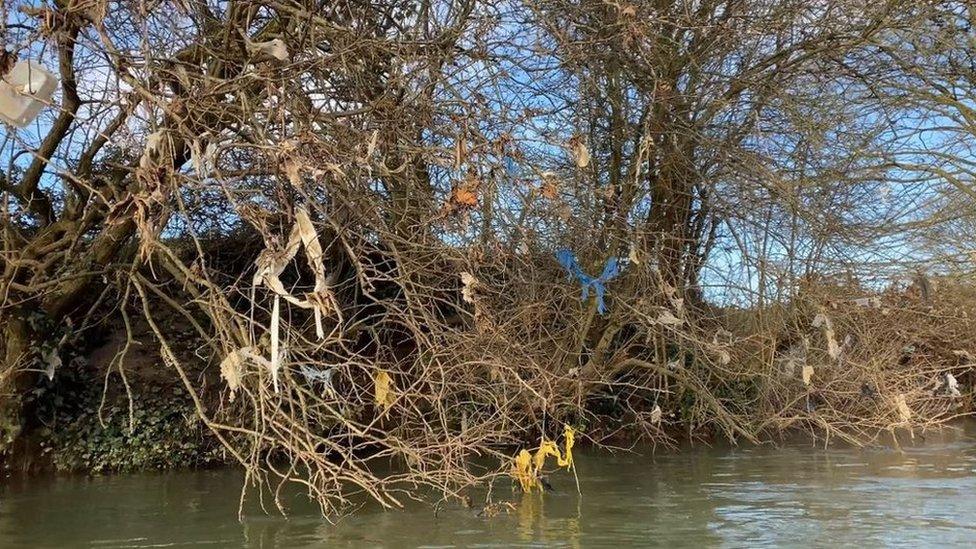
[466, 194]
[550, 186]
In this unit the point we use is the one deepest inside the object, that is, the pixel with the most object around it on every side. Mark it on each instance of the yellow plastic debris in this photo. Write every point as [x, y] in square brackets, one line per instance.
[570, 439]
[522, 471]
[546, 449]
[527, 466]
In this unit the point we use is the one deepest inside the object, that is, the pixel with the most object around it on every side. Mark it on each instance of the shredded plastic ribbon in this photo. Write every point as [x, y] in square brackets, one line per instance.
[611, 270]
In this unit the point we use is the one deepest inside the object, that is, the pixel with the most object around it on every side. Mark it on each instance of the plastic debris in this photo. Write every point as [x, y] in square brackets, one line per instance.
[950, 386]
[904, 412]
[24, 91]
[807, 374]
[965, 355]
[52, 361]
[579, 152]
[868, 302]
[272, 262]
[272, 48]
[232, 367]
[469, 282]
[569, 440]
[667, 318]
[611, 270]
[522, 471]
[319, 376]
[823, 321]
[527, 466]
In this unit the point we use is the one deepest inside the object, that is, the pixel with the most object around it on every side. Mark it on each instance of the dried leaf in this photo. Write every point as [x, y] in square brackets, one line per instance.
[460, 153]
[632, 254]
[371, 146]
[656, 414]
[465, 195]
[564, 212]
[383, 386]
[550, 186]
[293, 170]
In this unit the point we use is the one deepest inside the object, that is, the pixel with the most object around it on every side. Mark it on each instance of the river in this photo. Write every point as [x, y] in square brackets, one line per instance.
[734, 497]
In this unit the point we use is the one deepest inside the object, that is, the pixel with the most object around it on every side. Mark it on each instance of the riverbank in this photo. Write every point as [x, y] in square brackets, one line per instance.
[833, 368]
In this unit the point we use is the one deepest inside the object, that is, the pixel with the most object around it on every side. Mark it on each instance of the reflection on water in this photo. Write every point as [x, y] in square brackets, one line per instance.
[795, 496]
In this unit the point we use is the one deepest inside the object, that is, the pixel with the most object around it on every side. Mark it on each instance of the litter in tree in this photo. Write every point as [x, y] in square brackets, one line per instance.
[24, 91]
[611, 270]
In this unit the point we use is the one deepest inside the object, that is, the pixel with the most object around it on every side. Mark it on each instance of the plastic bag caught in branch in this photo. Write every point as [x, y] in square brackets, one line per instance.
[522, 471]
[569, 435]
[823, 321]
[271, 48]
[807, 374]
[272, 262]
[579, 152]
[233, 366]
[904, 412]
[526, 467]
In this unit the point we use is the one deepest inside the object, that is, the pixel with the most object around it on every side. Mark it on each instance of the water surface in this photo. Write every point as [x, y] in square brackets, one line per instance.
[746, 497]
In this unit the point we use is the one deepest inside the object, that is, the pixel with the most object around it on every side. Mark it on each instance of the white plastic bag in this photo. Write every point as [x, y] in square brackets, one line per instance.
[24, 91]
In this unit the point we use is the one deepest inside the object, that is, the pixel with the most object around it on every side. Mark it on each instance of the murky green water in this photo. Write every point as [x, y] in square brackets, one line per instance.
[796, 496]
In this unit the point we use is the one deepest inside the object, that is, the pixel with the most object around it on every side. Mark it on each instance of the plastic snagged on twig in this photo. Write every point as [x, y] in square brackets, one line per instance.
[319, 376]
[271, 48]
[611, 270]
[24, 91]
[526, 466]
[823, 321]
[232, 367]
[272, 262]
[904, 412]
